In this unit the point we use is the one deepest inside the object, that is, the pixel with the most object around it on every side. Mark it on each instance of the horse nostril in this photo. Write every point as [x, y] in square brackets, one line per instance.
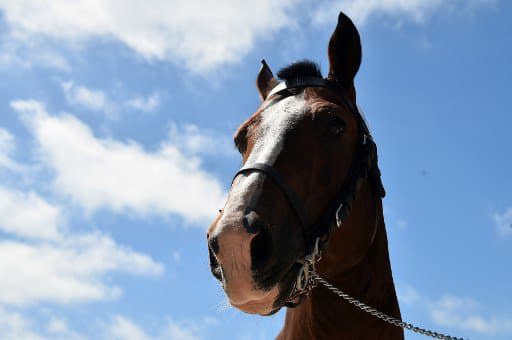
[252, 223]
[213, 243]
[261, 243]
[261, 249]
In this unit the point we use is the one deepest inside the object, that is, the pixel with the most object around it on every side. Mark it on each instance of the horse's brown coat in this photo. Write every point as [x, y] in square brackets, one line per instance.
[255, 242]
[362, 273]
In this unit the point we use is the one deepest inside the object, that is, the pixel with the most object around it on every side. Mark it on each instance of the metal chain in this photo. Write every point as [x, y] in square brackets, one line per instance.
[387, 318]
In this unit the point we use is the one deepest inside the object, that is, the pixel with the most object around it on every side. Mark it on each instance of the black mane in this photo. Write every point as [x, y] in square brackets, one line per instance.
[299, 69]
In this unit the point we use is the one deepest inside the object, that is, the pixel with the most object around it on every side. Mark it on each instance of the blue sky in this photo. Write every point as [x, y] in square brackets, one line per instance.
[115, 153]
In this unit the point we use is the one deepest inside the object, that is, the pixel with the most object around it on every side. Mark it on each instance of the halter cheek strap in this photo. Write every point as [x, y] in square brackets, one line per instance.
[289, 193]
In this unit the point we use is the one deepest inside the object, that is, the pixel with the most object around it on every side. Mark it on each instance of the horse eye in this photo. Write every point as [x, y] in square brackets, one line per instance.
[336, 126]
[240, 140]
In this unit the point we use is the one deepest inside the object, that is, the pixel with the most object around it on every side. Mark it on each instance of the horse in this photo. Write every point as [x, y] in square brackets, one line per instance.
[308, 201]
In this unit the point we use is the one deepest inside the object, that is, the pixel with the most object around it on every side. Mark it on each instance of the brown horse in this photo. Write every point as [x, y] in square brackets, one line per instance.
[308, 157]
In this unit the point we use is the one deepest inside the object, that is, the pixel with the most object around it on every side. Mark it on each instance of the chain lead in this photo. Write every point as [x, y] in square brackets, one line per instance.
[387, 318]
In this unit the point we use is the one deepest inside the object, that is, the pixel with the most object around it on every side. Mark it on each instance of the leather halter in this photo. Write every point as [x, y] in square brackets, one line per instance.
[364, 164]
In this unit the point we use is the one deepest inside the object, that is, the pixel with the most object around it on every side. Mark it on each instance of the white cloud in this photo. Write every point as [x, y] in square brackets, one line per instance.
[95, 100]
[6, 142]
[42, 260]
[98, 101]
[58, 328]
[71, 270]
[102, 172]
[504, 222]
[194, 141]
[408, 295]
[175, 331]
[145, 104]
[28, 215]
[463, 313]
[30, 54]
[416, 10]
[7, 146]
[47, 263]
[122, 328]
[23, 325]
[457, 313]
[14, 326]
[201, 35]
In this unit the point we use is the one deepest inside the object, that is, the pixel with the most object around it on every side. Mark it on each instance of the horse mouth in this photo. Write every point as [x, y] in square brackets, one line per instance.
[277, 282]
[285, 289]
[286, 286]
[215, 267]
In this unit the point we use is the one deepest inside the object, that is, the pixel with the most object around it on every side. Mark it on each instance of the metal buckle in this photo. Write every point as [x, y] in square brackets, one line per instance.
[338, 216]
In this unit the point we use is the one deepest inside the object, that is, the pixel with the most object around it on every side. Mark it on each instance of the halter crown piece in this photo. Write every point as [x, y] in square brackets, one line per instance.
[364, 165]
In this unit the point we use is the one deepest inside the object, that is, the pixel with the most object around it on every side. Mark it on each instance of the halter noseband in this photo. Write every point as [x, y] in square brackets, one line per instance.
[364, 164]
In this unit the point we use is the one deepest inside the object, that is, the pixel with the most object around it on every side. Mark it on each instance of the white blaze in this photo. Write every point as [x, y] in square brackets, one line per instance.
[275, 122]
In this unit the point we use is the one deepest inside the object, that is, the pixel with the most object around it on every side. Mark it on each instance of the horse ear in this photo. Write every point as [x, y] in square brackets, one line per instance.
[344, 52]
[265, 81]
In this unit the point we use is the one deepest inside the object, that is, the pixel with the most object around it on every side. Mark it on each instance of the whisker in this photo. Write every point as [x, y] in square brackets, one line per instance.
[223, 305]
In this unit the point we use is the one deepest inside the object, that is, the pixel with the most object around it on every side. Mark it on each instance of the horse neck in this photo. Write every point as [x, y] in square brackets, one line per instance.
[358, 264]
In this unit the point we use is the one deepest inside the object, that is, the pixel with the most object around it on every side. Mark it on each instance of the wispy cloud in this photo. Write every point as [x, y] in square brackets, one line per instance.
[100, 101]
[92, 99]
[71, 267]
[145, 104]
[181, 32]
[28, 215]
[17, 52]
[457, 313]
[38, 245]
[14, 326]
[408, 295]
[192, 140]
[176, 31]
[105, 173]
[59, 328]
[44, 260]
[7, 147]
[17, 324]
[361, 11]
[68, 271]
[122, 328]
[503, 222]
[464, 313]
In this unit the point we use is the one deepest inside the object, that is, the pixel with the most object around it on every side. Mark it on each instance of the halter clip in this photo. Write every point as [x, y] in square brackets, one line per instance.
[305, 283]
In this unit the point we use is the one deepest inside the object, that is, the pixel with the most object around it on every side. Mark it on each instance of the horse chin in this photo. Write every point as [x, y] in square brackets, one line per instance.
[263, 304]
[280, 295]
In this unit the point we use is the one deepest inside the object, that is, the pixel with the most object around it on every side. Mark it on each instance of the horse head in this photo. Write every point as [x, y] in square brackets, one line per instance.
[304, 149]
